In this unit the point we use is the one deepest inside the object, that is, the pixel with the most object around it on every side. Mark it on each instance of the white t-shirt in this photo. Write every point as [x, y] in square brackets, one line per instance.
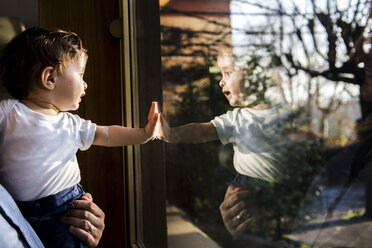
[254, 155]
[38, 152]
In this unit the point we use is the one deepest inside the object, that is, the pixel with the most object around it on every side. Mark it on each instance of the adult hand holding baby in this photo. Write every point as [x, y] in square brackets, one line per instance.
[234, 211]
[86, 220]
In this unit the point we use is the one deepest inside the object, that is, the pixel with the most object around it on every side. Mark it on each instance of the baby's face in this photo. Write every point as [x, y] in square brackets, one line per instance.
[232, 80]
[70, 85]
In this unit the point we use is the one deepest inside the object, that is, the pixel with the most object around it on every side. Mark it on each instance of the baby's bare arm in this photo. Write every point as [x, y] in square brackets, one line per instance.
[120, 136]
[123, 136]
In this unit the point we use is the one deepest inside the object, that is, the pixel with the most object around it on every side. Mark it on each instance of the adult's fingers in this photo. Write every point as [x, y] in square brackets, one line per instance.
[84, 214]
[230, 214]
[235, 197]
[88, 206]
[244, 223]
[86, 220]
[232, 208]
[89, 238]
[230, 190]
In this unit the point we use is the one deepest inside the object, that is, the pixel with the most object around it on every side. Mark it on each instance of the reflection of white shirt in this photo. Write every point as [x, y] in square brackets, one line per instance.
[38, 152]
[254, 156]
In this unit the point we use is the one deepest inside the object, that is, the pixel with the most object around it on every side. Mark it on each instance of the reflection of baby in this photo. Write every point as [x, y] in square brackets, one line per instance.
[244, 127]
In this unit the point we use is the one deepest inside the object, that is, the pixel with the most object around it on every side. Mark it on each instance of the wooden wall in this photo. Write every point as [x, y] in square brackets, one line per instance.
[102, 168]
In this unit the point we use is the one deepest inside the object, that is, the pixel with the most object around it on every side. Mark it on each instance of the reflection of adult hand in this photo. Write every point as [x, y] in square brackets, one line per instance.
[86, 220]
[234, 211]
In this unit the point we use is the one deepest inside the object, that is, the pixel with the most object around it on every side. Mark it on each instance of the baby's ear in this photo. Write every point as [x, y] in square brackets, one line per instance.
[47, 78]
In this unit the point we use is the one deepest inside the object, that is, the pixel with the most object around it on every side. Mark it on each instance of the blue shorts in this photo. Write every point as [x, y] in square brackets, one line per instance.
[246, 182]
[45, 214]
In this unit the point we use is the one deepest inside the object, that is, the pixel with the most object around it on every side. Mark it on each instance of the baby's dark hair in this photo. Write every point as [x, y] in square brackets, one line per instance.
[29, 53]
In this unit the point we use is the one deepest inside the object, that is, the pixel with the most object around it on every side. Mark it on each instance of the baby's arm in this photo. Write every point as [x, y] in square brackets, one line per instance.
[122, 136]
[188, 133]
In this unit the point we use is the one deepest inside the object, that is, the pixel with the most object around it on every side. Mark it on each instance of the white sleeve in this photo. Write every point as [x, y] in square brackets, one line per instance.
[225, 125]
[2, 112]
[5, 107]
[86, 132]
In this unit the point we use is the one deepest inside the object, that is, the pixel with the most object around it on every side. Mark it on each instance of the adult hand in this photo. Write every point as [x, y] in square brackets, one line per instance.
[235, 211]
[86, 220]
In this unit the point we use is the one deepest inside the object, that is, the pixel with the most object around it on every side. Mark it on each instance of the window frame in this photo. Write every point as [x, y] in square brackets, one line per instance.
[145, 174]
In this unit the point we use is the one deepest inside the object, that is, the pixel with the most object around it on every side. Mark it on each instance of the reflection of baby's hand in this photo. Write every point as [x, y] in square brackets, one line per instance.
[163, 130]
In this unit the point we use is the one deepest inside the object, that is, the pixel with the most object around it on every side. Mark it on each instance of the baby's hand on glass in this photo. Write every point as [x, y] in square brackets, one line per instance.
[152, 124]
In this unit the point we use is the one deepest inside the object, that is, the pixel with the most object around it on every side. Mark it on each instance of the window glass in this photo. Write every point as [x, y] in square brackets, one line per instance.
[267, 120]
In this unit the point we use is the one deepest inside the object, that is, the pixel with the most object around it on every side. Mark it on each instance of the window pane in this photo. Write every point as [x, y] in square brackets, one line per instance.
[278, 151]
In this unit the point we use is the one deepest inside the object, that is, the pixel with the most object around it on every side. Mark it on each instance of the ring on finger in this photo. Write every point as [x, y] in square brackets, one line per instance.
[91, 228]
[238, 217]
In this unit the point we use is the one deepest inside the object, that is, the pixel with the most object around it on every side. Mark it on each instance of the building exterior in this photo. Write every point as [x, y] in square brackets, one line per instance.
[192, 33]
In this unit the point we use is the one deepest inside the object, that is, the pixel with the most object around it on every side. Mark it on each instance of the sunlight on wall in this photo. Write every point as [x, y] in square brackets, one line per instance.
[163, 2]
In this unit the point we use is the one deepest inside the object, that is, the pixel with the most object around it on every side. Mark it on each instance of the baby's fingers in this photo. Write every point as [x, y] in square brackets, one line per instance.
[153, 110]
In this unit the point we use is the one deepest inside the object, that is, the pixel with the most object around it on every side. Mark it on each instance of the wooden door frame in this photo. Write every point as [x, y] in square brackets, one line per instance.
[147, 177]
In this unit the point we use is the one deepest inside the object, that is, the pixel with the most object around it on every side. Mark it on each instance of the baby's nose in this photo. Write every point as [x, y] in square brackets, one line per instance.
[85, 85]
[222, 83]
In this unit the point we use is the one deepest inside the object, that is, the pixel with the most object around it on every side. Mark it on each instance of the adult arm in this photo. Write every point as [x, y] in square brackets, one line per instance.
[15, 231]
[86, 220]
